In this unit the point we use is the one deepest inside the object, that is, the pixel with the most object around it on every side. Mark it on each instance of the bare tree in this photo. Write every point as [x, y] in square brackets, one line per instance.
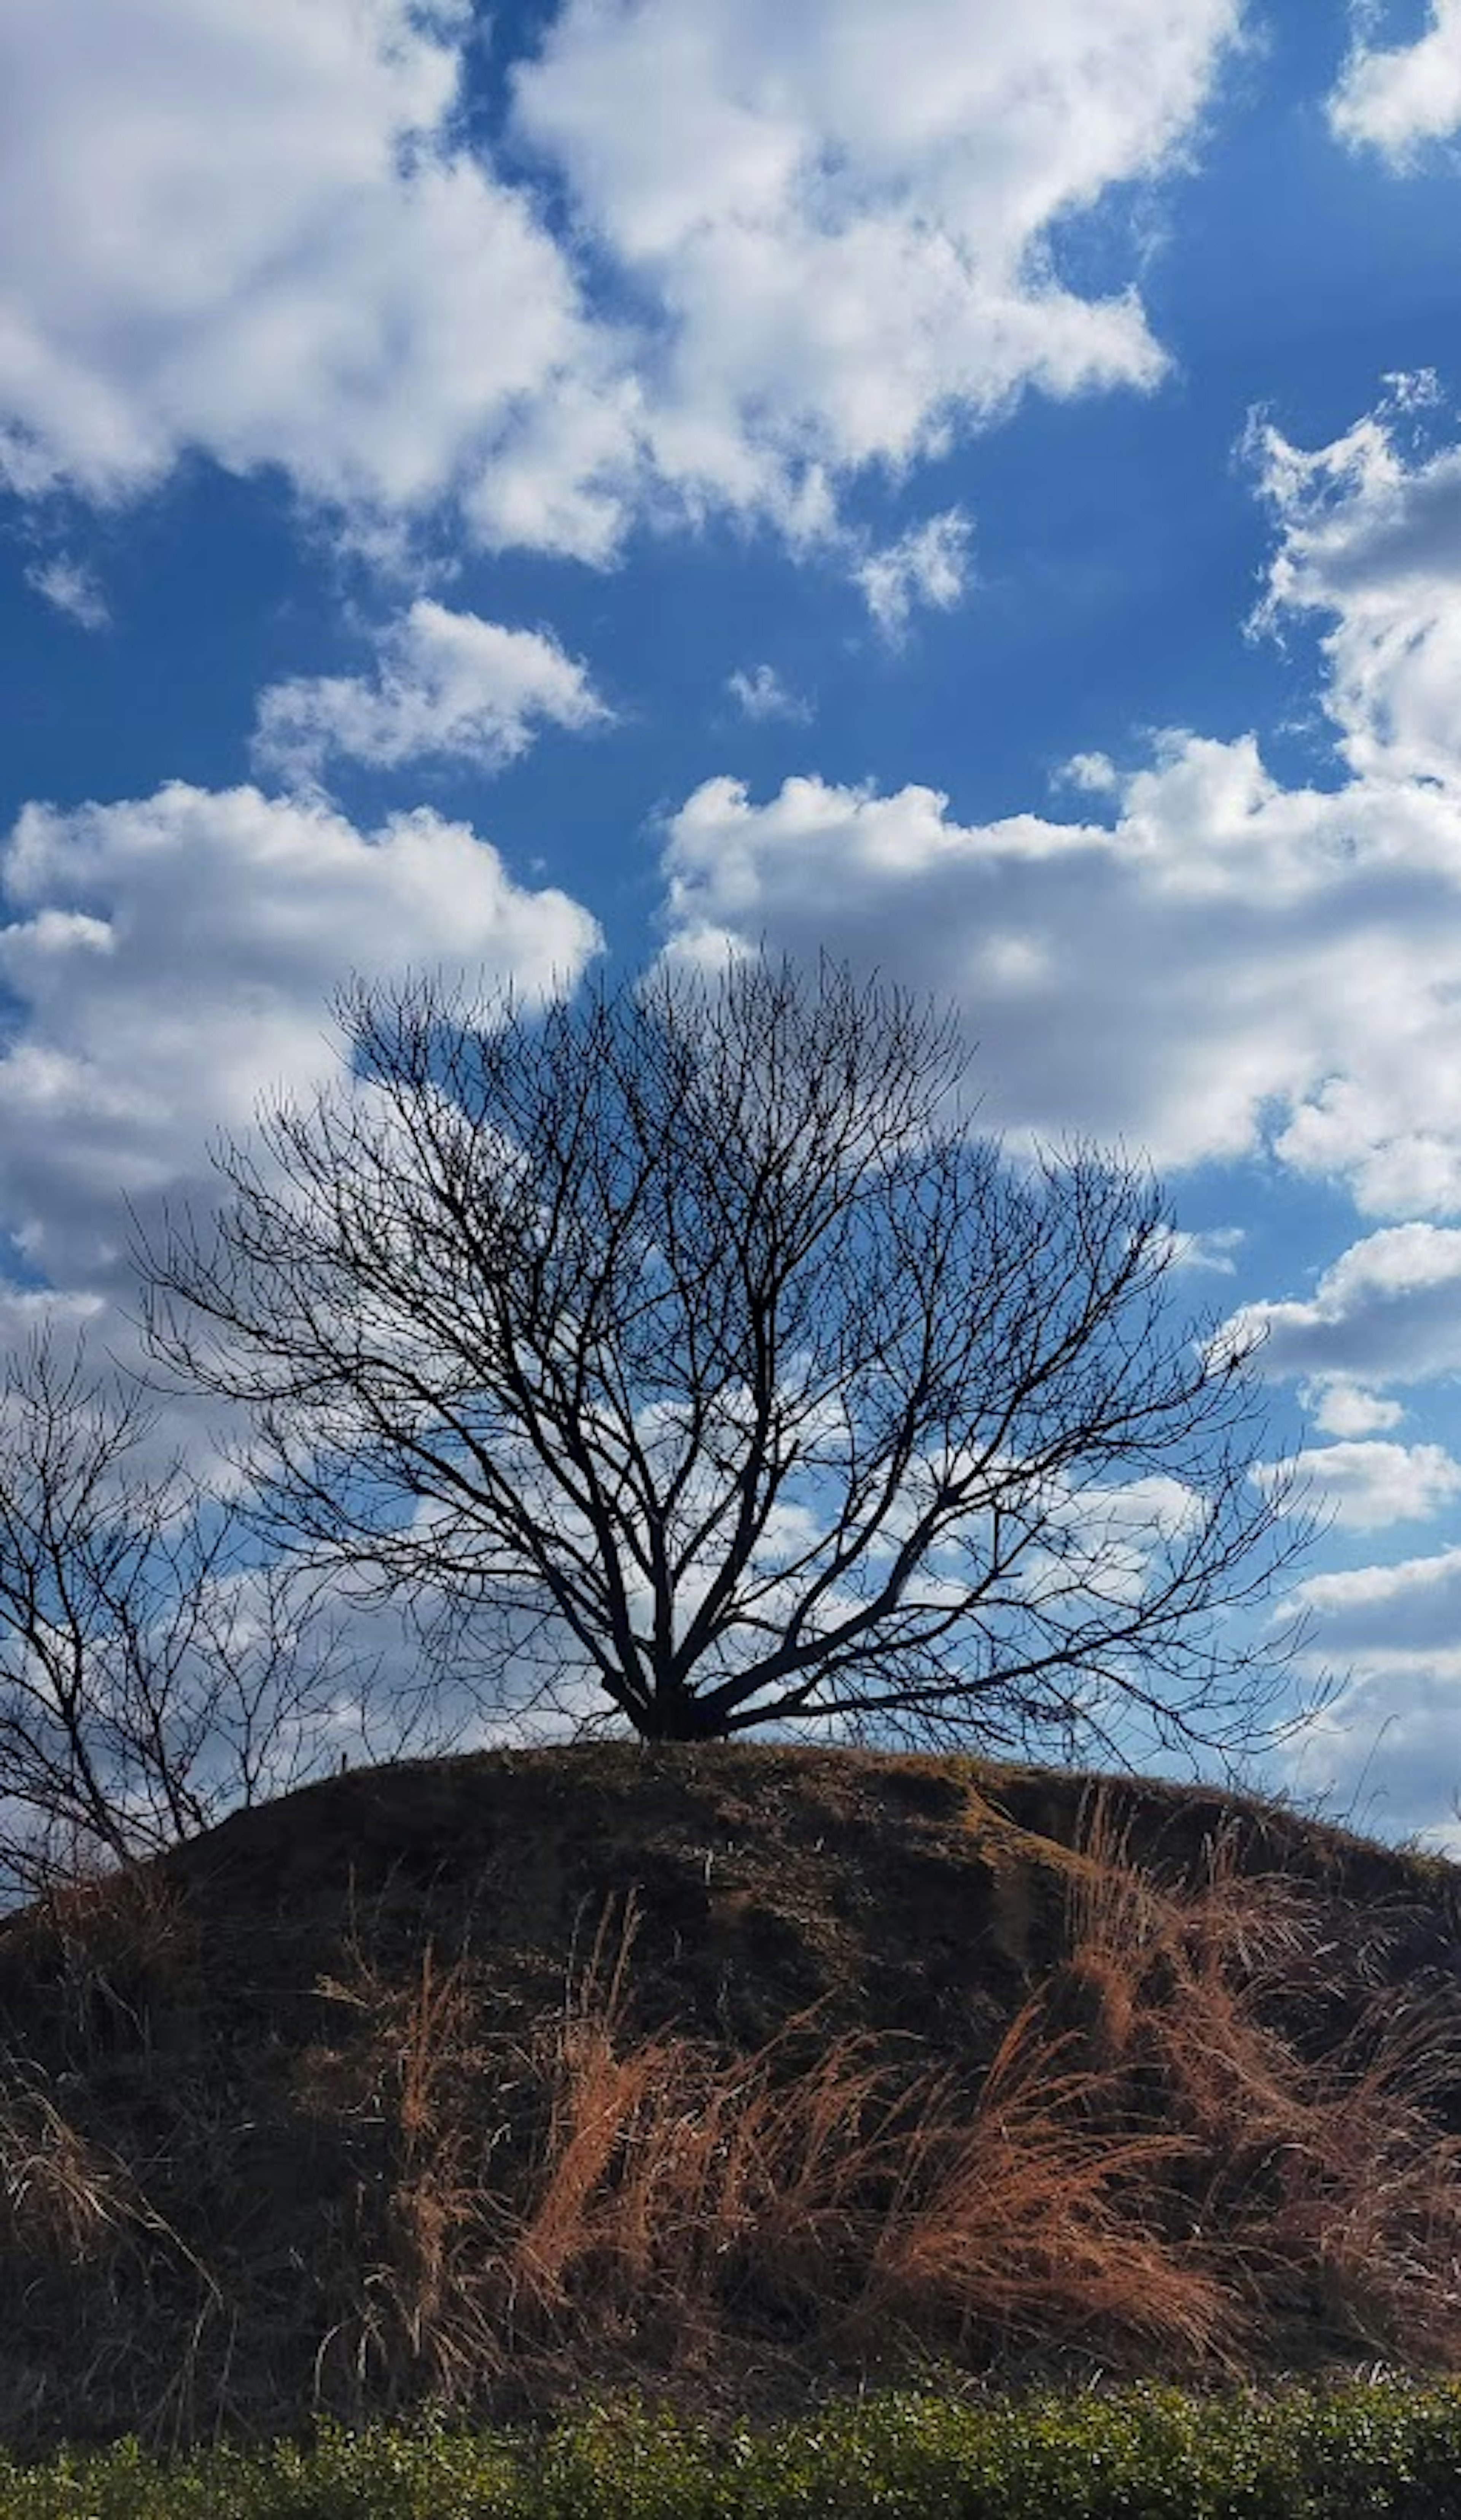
[692, 1332]
[153, 1672]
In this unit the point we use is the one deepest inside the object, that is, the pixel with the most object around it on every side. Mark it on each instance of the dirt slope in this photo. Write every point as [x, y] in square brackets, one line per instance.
[487, 2077]
[901, 1894]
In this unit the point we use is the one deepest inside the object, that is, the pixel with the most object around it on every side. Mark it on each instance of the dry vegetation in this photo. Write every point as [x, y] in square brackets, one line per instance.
[725, 2072]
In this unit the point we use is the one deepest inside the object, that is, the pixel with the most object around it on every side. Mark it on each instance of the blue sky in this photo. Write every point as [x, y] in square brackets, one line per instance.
[976, 489]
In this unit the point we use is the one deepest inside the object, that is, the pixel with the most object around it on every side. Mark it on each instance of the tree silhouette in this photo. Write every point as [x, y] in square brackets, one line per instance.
[690, 1341]
[154, 1674]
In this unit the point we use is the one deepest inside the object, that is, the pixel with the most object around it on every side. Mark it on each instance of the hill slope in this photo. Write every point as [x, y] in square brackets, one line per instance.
[744, 2068]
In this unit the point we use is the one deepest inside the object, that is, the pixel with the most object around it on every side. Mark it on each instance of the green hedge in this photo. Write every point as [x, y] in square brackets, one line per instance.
[1142, 2454]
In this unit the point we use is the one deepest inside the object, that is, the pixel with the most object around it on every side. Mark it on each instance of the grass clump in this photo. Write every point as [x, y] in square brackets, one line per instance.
[1379, 2451]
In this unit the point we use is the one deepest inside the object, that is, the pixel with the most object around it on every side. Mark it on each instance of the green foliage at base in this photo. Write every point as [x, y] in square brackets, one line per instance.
[1379, 2451]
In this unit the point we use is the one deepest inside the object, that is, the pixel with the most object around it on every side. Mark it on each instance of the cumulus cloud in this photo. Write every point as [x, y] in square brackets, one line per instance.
[1225, 963]
[70, 589]
[253, 229]
[1395, 97]
[169, 959]
[1387, 1311]
[1342, 1407]
[1383, 1753]
[1242, 955]
[1390, 1614]
[829, 245]
[445, 684]
[1094, 774]
[1385, 1740]
[1390, 1631]
[762, 695]
[1368, 1486]
[844, 211]
[928, 566]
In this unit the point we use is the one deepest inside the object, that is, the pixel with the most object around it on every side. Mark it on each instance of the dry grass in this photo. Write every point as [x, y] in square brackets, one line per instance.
[1148, 2169]
[1035, 2218]
[593, 2200]
[60, 2198]
[1323, 2181]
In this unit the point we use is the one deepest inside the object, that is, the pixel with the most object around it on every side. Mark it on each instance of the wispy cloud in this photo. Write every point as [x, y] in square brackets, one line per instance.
[71, 590]
[929, 565]
[762, 695]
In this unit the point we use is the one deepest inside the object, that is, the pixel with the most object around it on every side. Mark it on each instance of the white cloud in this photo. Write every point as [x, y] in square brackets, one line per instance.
[1387, 1741]
[1369, 1486]
[1346, 1408]
[169, 961]
[247, 227]
[1387, 1311]
[762, 695]
[1395, 97]
[261, 231]
[1095, 774]
[1231, 962]
[1397, 1611]
[71, 590]
[1383, 1753]
[1373, 543]
[844, 211]
[1396, 1624]
[445, 683]
[927, 565]
[1223, 962]
[1213, 1251]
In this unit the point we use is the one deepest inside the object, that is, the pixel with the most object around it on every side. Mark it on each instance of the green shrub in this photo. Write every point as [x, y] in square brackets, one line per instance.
[1381, 2450]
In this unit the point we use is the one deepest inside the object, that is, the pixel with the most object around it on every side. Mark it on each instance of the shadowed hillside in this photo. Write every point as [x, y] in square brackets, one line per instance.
[731, 2070]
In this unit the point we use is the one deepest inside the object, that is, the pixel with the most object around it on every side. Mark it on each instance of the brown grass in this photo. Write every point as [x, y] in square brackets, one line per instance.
[1148, 2169]
[62, 2199]
[1323, 2180]
[594, 2200]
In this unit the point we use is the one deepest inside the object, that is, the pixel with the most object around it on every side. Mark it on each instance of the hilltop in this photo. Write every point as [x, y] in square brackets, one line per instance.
[732, 2072]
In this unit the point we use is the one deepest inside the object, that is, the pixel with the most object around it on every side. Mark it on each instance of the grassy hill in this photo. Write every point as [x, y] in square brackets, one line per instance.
[739, 2073]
